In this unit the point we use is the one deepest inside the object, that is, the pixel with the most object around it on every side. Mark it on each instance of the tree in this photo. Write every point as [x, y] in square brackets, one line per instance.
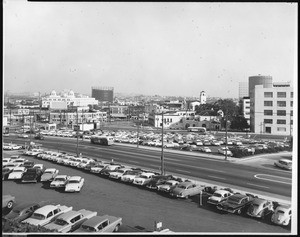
[239, 122]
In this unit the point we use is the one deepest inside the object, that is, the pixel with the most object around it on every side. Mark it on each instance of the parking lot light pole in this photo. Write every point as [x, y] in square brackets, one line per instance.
[138, 135]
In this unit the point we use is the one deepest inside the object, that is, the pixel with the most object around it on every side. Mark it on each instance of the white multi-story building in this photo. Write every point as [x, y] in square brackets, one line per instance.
[66, 99]
[272, 109]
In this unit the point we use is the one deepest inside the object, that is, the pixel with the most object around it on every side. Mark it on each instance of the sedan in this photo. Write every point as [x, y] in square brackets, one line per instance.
[60, 181]
[224, 150]
[23, 135]
[5, 173]
[74, 184]
[157, 180]
[260, 208]
[282, 215]
[205, 149]
[119, 173]
[17, 173]
[186, 189]
[8, 201]
[49, 174]
[143, 179]
[167, 186]
[284, 164]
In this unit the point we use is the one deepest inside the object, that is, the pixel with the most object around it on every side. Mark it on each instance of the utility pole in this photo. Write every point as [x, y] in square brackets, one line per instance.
[226, 147]
[82, 122]
[162, 146]
[77, 132]
[30, 127]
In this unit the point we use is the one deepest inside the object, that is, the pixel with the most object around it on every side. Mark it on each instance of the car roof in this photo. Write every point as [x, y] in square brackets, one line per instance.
[221, 191]
[259, 200]
[74, 178]
[50, 169]
[61, 176]
[283, 207]
[95, 220]
[69, 215]
[45, 209]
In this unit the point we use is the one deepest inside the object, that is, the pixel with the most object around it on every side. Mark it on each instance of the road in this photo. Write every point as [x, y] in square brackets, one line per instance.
[266, 179]
[138, 207]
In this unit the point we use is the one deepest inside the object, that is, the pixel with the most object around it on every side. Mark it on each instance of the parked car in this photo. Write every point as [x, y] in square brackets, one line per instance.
[19, 161]
[8, 201]
[7, 146]
[143, 179]
[235, 203]
[46, 214]
[70, 221]
[284, 164]
[32, 175]
[205, 149]
[110, 168]
[39, 166]
[39, 137]
[16, 147]
[60, 181]
[157, 180]
[224, 150]
[219, 196]
[23, 211]
[28, 164]
[74, 184]
[5, 173]
[11, 166]
[129, 177]
[282, 215]
[17, 173]
[104, 223]
[260, 208]
[23, 136]
[49, 174]
[186, 189]
[119, 173]
[96, 169]
[167, 186]
[6, 161]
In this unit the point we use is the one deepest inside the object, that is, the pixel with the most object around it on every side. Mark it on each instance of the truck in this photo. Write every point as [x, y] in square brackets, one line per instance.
[236, 203]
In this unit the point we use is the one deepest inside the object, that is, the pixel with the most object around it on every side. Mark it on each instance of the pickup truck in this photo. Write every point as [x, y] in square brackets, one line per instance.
[99, 224]
[46, 214]
[70, 221]
[235, 203]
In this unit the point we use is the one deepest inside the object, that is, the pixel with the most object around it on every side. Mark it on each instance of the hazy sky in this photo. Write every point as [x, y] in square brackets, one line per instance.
[174, 49]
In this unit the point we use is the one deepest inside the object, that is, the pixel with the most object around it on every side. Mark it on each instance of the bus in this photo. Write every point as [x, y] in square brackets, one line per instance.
[200, 130]
[102, 140]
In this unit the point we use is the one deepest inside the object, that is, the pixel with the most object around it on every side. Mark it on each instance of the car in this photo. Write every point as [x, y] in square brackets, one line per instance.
[39, 137]
[11, 165]
[205, 149]
[97, 168]
[39, 166]
[284, 164]
[85, 162]
[236, 203]
[32, 175]
[167, 186]
[70, 221]
[260, 208]
[23, 136]
[28, 164]
[75, 162]
[33, 152]
[46, 214]
[215, 143]
[23, 211]
[130, 175]
[117, 174]
[282, 215]
[20, 161]
[143, 179]
[60, 181]
[49, 174]
[5, 134]
[5, 173]
[110, 168]
[8, 201]
[98, 224]
[219, 196]
[17, 173]
[16, 147]
[74, 184]
[157, 180]
[6, 161]
[186, 189]
[224, 150]
[7, 146]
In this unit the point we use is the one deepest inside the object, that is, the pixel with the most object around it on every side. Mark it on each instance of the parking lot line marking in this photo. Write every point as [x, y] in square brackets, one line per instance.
[258, 185]
[183, 171]
[215, 177]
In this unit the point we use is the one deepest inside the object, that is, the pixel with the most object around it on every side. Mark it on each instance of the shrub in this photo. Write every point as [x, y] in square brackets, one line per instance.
[9, 226]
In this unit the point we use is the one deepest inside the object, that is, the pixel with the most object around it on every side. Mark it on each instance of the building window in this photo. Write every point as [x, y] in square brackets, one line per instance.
[247, 107]
[268, 103]
[268, 112]
[268, 121]
[281, 121]
[281, 113]
[292, 94]
[268, 94]
[281, 94]
[292, 103]
[281, 103]
[281, 129]
[291, 122]
[291, 112]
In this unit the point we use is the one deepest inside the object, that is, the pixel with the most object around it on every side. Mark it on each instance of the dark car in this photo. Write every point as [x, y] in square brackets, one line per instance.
[32, 175]
[236, 203]
[5, 173]
[28, 164]
[157, 180]
[39, 137]
[23, 210]
[109, 169]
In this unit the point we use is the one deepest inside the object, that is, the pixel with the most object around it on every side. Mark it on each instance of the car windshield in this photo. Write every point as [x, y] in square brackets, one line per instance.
[217, 195]
[169, 183]
[89, 228]
[48, 172]
[18, 171]
[280, 211]
[60, 179]
[143, 177]
[38, 216]
[73, 181]
[181, 186]
[131, 173]
[61, 222]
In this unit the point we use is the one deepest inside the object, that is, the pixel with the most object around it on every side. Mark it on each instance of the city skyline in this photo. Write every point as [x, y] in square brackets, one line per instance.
[166, 49]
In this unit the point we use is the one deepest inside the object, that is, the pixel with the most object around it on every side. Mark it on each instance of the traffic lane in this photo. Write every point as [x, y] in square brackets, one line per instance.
[137, 207]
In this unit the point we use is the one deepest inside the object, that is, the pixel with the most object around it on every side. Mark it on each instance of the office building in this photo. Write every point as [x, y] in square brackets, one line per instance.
[243, 89]
[103, 94]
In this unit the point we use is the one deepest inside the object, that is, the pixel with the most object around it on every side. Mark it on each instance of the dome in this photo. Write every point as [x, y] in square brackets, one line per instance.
[53, 93]
[71, 93]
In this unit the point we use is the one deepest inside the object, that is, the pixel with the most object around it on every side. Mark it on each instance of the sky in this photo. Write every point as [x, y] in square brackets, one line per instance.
[167, 49]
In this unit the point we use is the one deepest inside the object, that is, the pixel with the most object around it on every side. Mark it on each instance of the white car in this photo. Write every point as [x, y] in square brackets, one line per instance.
[6, 161]
[97, 169]
[11, 165]
[49, 174]
[206, 149]
[143, 179]
[60, 181]
[23, 135]
[85, 162]
[167, 186]
[282, 215]
[284, 164]
[118, 173]
[17, 173]
[7, 146]
[70, 221]
[20, 161]
[224, 150]
[75, 162]
[74, 184]
[16, 147]
[46, 214]
[38, 166]
[218, 196]
[130, 176]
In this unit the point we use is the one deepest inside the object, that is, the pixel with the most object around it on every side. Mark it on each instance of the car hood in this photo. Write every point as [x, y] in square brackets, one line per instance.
[129, 176]
[164, 186]
[72, 186]
[46, 176]
[53, 226]
[57, 182]
[230, 205]
[213, 198]
[33, 221]
[11, 216]
[15, 175]
[29, 176]
[177, 190]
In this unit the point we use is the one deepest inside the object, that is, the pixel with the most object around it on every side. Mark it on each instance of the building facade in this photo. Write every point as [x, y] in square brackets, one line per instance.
[103, 94]
[243, 89]
[202, 97]
[246, 108]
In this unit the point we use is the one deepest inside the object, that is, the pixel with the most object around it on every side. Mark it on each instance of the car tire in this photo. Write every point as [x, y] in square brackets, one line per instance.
[116, 228]
[239, 211]
[9, 204]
